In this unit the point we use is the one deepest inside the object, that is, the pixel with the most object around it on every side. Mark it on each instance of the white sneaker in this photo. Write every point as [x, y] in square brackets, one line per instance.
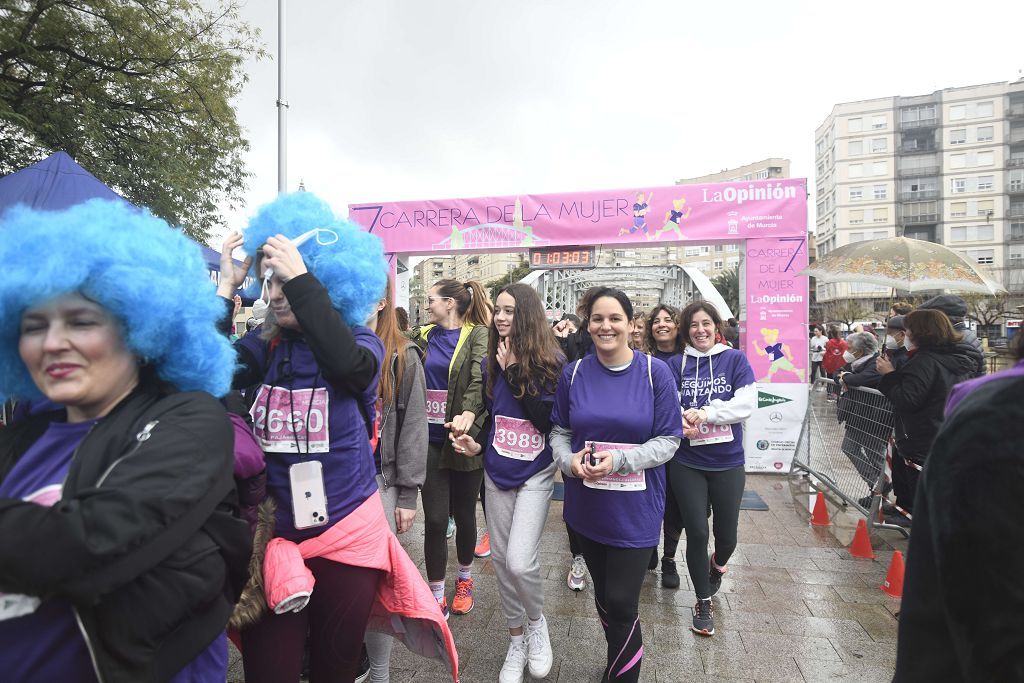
[577, 578]
[515, 662]
[538, 649]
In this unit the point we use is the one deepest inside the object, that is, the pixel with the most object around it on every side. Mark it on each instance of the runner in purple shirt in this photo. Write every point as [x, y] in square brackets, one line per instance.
[616, 422]
[666, 344]
[520, 372]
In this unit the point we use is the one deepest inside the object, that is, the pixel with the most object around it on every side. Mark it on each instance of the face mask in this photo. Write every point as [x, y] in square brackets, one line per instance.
[849, 357]
[907, 344]
[891, 343]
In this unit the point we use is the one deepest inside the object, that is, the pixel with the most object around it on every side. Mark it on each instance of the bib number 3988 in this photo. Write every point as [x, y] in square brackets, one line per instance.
[437, 403]
[516, 438]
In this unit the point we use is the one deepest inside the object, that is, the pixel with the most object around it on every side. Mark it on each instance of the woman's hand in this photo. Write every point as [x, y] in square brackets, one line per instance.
[231, 278]
[504, 354]
[281, 254]
[461, 424]
[884, 365]
[403, 519]
[465, 445]
[695, 417]
[601, 469]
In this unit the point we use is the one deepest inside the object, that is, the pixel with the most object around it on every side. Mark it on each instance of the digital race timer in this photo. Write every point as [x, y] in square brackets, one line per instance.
[562, 257]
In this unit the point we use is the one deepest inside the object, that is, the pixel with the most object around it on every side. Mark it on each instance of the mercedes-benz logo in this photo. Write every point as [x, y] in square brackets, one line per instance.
[775, 416]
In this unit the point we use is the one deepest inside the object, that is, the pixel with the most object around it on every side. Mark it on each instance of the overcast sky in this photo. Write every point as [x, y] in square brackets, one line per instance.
[409, 99]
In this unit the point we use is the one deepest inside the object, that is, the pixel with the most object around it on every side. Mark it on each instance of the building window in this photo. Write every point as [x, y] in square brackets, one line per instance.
[856, 237]
[880, 168]
[959, 185]
[958, 112]
[983, 110]
[981, 256]
[879, 192]
[1016, 255]
[985, 133]
[856, 194]
[881, 215]
[856, 170]
[984, 207]
[878, 145]
[879, 234]
[1017, 231]
[856, 216]
[958, 209]
[692, 251]
[704, 251]
[855, 126]
[985, 183]
[958, 136]
[878, 122]
[957, 160]
[731, 247]
[855, 147]
[972, 233]
[718, 248]
[718, 265]
[985, 159]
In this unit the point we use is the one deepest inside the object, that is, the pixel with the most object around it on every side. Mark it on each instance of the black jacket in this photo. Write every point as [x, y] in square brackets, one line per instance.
[576, 345]
[145, 542]
[962, 617]
[918, 394]
[970, 346]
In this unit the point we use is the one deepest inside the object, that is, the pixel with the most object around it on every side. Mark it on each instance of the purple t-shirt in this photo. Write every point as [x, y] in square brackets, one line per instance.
[514, 449]
[45, 644]
[327, 426]
[668, 357]
[441, 345]
[701, 380]
[623, 407]
[960, 391]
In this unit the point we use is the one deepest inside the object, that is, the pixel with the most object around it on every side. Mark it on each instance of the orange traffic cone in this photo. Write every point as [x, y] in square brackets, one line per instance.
[861, 546]
[893, 584]
[820, 515]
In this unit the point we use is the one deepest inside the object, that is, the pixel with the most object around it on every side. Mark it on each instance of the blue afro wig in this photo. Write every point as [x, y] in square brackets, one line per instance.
[150, 277]
[352, 269]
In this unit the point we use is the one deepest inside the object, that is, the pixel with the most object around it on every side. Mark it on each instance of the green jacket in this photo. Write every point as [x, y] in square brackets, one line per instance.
[465, 388]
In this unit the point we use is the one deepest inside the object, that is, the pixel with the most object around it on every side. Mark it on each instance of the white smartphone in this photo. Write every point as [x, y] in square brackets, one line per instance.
[309, 499]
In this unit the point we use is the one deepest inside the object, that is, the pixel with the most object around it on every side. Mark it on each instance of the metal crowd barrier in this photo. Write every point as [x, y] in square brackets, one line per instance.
[845, 443]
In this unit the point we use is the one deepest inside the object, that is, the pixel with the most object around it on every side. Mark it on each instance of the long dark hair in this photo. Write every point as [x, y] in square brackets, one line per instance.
[394, 343]
[471, 301]
[930, 328]
[537, 353]
[650, 345]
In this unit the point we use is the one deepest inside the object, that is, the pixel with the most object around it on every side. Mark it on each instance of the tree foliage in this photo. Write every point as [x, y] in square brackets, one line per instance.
[987, 310]
[728, 285]
[846, 311]
[514, 275]
[137, 91]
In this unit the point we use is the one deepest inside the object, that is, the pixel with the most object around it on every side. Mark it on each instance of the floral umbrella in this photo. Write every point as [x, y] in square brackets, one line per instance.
[901, 263]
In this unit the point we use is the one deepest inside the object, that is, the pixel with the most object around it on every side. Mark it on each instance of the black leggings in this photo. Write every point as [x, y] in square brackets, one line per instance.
[693, 489]
[442, 488]
[673, 524]
[618, 574]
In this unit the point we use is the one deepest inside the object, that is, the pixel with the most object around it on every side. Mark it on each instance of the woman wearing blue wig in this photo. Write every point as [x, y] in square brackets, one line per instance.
[123, 552]
[317, 367]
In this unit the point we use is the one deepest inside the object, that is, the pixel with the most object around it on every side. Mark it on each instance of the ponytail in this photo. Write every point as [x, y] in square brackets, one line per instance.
[471, 300]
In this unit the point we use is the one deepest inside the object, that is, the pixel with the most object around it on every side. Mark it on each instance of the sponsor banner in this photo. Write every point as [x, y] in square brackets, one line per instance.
[776, 298]
[642, 215]
[770, 434]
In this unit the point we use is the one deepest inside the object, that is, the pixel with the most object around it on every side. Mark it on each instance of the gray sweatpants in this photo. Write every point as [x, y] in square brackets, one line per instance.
[378, 645]
[515, 522]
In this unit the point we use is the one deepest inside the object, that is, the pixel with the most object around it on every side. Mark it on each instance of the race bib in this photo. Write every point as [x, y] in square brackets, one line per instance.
[437, 404]
[291, 420]
[517, 439]
[634, 481]
[710, 434]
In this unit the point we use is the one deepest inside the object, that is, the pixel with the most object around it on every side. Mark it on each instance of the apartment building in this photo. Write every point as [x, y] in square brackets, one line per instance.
[947, 167]
[424, 275]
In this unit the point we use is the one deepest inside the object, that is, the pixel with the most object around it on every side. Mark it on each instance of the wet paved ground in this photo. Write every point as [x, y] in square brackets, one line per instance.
[794, 607]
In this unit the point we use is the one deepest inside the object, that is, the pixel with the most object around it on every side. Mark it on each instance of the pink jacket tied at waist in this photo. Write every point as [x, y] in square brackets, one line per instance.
[404, 606]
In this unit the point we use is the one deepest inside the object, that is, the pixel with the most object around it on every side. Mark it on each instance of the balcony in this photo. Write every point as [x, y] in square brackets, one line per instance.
[1015, 187]
[1016, 136]
[923, 233]
[1015, 163]
[1015, 111]
[916, 149]
[1015, 211]
[919, 123]
[920, 219]
[919, 195]
[919, 172]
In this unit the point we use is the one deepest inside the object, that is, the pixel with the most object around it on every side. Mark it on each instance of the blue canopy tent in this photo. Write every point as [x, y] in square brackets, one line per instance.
[57, 182]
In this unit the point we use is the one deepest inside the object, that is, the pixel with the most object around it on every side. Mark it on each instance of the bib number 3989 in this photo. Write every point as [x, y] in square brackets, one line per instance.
[291, 424]
[516, 438]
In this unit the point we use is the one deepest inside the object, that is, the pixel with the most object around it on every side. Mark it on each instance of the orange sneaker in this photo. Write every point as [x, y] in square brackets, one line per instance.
[443, 604]
[463, 602]
[483, 548]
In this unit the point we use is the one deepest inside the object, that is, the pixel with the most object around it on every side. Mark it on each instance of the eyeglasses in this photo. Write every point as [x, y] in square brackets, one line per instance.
[432, 299]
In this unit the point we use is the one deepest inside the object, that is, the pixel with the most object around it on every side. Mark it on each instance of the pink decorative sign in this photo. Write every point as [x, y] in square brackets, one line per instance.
[641, 216]
[776, 334]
